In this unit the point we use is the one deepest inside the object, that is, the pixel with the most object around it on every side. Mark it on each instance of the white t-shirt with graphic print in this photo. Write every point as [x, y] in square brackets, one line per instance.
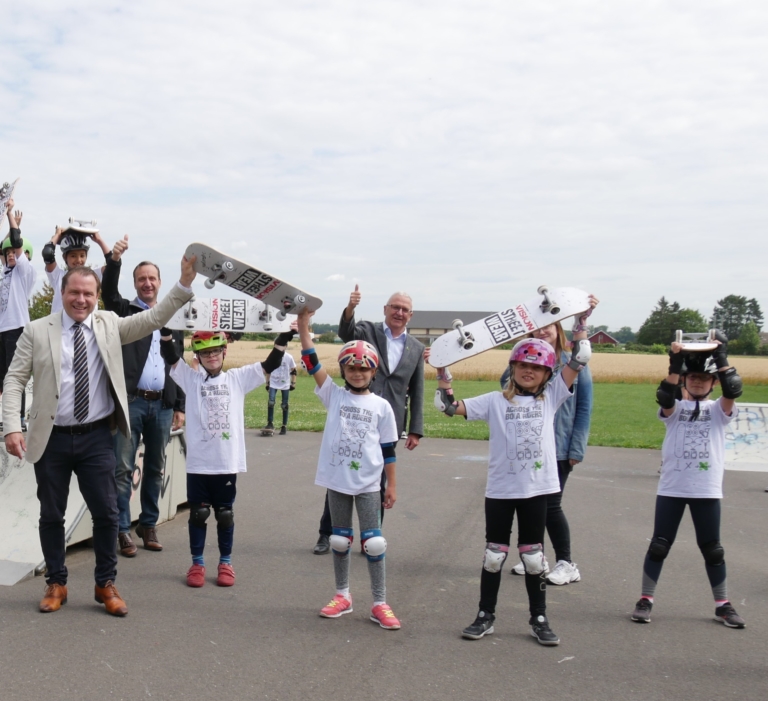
[693, 452]
[215, 416]
[15, 287]
[281, 377]
[350, 458]
[522, 461]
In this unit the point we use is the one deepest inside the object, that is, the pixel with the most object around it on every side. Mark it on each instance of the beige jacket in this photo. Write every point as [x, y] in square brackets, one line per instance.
[38, 354]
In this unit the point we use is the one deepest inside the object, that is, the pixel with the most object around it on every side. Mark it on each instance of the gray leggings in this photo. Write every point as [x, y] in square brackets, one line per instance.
[368, 508]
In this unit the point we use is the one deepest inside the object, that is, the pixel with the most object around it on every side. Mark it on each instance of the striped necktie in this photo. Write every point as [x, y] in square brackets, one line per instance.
[81, 375]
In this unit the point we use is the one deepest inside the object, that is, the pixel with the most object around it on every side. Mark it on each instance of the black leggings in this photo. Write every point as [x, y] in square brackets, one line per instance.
[532, 517]
[557, 524]
[8, 342]
[706, 522]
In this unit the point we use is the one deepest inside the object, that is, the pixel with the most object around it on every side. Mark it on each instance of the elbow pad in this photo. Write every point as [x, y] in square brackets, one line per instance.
[665, 395]
[388, 451]
[15, 236]
[273, 361]
[310, 361]
[169, 352]
[582, 352]
[446, 402]
[49, 253]
[731, 383]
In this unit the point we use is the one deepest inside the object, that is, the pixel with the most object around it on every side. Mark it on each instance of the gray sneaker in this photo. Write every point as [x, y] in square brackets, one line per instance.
[542, 632]
[483, 625]
[727, 615]
[642, 612]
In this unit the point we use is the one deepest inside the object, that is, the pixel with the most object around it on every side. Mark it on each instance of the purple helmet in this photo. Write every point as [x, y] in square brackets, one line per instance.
[534, 351]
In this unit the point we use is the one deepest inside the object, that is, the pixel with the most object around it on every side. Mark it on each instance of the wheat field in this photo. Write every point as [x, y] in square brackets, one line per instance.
[606, 367]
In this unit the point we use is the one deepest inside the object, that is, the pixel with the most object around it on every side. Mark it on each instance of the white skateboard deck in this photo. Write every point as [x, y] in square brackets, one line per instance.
[233, 315]
[6, 192]
[697, 342]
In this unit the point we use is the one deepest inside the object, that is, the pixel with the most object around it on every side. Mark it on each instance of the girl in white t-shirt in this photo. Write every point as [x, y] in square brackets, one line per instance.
[692, 467]
[215, 439]
[358, 442]
[522, 470]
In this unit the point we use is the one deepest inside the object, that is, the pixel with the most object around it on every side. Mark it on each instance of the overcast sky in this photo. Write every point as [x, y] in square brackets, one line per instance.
[465, 152]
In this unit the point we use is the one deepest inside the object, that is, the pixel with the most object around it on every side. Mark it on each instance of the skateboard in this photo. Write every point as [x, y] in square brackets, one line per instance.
[6, 192]
[232, 315]
[221, 268]
[552, 304]
[696, 342]
[81, 226]
[267, 431]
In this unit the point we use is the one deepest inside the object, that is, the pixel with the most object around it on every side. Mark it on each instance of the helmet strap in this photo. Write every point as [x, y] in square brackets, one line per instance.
[698, 398]
[526, 392]
[357, 390]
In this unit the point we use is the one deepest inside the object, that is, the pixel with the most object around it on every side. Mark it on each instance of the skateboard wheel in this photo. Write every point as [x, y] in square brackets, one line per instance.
[543, 289]
[209, 283]
[267, 327]
[299, 299]
[457, 323]
[711, 336]
[468, 345]
[678, 336]
[280, 316]
[228, 266]
[554, 308]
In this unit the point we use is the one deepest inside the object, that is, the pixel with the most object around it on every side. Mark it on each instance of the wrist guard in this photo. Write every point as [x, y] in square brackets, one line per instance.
[284, 338]
[293, 380]
[582, 352]
[310, 361]
[446, 402]
[580, 321]
[169, 352]
[731, 383]
[15, 236]
[676, 361]
[665, 395]
[49, 253]
[720, 354]
[444, 374]
[273, 361]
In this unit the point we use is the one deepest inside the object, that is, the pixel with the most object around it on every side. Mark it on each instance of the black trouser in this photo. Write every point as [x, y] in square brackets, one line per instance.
[557, 524]
[91, 457]
[326, 527]
[8, 342]
[531, 516]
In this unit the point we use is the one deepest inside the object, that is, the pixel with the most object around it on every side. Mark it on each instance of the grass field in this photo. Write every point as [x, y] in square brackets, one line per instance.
[624, 413]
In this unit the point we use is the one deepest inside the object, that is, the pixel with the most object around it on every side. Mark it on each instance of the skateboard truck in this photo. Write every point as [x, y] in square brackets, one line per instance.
[190, 314]
[82, 222]
[266, 316]
[698, 337]
[220, 271]
[548, 305]
[289, 304]
[466, 340]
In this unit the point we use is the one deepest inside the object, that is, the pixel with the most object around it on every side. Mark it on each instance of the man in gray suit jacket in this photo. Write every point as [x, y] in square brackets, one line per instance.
[399, 378]
[79, 397]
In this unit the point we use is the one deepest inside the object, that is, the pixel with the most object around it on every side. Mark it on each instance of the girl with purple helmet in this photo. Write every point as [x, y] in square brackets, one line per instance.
[522, 469]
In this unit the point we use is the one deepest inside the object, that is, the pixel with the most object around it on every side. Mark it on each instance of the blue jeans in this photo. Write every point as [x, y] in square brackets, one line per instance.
[286, 393]
[150, 420]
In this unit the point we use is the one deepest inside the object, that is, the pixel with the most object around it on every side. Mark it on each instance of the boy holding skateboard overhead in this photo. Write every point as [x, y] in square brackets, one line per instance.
[215, 438]
[692, 469]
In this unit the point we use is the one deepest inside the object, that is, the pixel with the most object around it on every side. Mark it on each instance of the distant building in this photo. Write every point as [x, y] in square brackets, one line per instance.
[603, 337]
[427, 326]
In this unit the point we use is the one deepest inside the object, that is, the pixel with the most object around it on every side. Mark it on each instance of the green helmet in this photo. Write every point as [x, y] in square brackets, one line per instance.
[26, 246]
[204, 340]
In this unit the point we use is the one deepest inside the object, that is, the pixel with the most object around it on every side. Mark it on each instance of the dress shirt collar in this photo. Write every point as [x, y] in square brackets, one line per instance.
[140, 303]
[67, 322]
[390, 336]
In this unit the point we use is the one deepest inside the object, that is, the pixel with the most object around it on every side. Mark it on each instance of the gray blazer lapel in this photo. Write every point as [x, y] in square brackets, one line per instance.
[54, 341]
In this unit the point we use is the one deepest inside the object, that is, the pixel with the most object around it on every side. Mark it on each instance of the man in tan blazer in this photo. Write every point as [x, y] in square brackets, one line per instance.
[79, 397]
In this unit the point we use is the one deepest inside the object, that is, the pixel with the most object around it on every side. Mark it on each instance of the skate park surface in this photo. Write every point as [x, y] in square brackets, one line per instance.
[263, 638]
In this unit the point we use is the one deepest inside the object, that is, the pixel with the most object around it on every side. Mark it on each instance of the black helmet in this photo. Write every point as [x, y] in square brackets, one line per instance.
[73, 241]
[699, 362]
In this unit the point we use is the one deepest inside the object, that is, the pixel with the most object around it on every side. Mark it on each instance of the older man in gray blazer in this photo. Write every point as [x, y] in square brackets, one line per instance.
[79, 397]
[399, 378]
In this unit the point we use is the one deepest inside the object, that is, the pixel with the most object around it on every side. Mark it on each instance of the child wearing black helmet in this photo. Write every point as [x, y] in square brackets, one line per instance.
[693, 456]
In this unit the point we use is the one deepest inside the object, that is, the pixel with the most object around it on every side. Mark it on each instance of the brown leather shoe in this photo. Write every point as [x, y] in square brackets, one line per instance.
[127, 546]
[149, 535]
[112, 601]
[54, 598]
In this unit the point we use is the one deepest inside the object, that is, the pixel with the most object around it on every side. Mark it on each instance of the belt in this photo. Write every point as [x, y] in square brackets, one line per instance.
[79, 429]
[150, 394]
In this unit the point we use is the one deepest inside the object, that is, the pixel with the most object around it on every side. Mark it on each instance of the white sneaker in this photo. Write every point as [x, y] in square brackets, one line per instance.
[519, 569]
[564, 573]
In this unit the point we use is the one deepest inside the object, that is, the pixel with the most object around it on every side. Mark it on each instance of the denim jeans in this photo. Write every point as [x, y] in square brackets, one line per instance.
[150, 421]
[286, 393]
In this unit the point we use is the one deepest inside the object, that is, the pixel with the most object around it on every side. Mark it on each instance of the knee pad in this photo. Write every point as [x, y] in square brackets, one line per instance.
[533, 558]
[284, 406]
[270, 403]
[374, 544]
[341, 540]
[495, 554]
[225, 517]
[659, 548]
[713, 553]
[198, 514]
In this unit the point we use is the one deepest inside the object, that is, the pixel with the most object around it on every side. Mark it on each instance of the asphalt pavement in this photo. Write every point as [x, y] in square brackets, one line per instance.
[263, 638]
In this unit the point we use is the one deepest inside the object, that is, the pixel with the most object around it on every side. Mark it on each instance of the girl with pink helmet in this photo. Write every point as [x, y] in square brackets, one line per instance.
[522, 469]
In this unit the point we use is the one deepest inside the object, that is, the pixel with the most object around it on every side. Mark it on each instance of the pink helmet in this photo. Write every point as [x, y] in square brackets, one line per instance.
[534, 351]
[359, 353]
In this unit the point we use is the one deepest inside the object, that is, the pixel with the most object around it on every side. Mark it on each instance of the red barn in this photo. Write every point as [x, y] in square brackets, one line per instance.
[603, 337]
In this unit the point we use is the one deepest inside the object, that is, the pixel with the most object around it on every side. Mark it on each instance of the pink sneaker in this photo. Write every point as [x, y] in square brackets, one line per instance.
[338, 606]
[196, 576]
[383, 615]
[226, 576]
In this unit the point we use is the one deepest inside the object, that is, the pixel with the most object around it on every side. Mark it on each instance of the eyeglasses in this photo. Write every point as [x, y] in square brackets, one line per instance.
[398, 308]
[210, 353]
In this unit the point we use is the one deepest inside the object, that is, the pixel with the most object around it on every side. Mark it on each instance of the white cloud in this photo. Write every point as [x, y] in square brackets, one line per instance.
[336, 277]
[465, 152]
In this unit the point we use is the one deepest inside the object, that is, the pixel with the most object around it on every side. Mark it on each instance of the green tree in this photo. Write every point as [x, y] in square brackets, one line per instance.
[624, 335]
[667, 318]
[733, 312]
[749, 340]
[40, 305]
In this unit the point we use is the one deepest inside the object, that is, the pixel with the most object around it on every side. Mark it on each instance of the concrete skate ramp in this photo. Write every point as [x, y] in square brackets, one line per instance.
[20, 551]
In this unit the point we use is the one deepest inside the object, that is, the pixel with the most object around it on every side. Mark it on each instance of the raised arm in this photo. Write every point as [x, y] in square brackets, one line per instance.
[444, 399]
[110, 294]
[49, 251]
[308, 355]
[347, 322]
[582, 349]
